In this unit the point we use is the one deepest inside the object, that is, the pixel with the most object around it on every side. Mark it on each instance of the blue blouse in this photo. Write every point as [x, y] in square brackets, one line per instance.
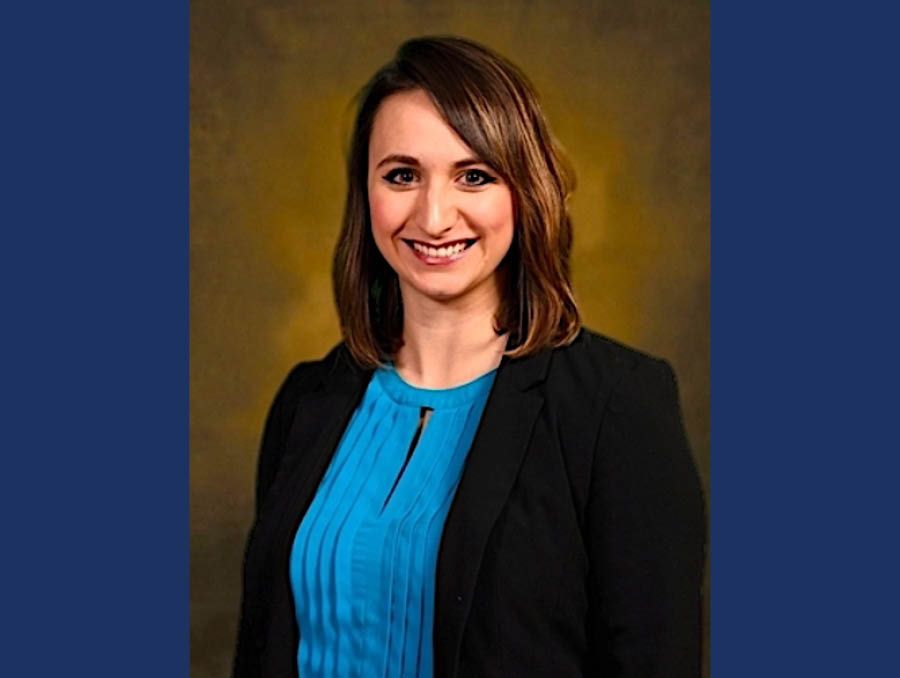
[363, 561]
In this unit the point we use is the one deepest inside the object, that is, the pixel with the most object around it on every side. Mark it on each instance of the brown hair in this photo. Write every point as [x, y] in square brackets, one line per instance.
[492, 106]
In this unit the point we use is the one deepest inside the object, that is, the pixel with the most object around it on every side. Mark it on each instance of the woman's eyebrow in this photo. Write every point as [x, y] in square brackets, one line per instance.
[466, 162]
[401, 159]
[414, 162]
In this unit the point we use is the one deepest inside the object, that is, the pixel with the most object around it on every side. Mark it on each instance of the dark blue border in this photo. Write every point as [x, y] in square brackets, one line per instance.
[804, 358]
[95, 316]
[95, 307]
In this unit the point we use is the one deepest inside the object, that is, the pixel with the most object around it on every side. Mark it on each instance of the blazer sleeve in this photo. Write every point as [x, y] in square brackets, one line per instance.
[276, 429]
[646, 531]
[274, 439]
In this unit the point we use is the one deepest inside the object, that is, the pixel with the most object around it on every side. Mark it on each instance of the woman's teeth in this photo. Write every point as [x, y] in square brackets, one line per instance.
[439, 251]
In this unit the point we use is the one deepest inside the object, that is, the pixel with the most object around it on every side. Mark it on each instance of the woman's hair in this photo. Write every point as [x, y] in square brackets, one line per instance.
[492, 106]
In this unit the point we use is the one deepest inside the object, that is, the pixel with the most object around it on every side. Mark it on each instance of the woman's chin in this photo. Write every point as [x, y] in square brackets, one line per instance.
[455, 290]
[443, 292]
[440, 294]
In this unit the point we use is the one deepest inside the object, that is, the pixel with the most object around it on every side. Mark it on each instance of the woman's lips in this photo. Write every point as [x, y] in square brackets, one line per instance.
[446, 253]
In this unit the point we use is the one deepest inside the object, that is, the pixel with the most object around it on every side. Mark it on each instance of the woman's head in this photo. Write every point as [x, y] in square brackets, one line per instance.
[440, 216]
[452, 88]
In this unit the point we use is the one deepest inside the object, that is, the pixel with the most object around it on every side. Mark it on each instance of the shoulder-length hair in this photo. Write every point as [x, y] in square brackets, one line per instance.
[493, 107]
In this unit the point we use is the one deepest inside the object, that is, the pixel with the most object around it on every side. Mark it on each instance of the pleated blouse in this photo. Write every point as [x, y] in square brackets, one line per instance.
[363, 561]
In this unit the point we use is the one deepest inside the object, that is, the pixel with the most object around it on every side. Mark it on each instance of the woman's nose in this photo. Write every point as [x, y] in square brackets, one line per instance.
[436, 210]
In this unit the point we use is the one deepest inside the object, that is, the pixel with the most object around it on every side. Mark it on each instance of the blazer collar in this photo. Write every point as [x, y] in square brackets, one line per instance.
[342, 375]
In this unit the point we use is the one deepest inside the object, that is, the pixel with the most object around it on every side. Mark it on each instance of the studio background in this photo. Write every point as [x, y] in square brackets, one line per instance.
[625, 86]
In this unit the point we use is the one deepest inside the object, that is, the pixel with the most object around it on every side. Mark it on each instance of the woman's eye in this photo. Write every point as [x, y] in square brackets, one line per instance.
[477, 177]
[400, 175]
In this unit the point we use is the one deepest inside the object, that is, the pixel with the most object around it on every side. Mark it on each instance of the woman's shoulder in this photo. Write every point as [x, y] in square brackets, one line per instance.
[601, 347]
[597, 363]
[596, 379]
[621, 402]
[309, 374]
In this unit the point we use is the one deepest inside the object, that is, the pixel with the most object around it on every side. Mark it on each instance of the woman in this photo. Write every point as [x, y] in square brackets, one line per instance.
[470, 484]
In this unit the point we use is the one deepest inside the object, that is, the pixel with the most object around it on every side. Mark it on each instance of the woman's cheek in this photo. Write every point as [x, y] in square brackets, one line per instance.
[495, 213]
[387, 210]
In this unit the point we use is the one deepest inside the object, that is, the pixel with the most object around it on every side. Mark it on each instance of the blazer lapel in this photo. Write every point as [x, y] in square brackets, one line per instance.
[319, 421]
[490, 471]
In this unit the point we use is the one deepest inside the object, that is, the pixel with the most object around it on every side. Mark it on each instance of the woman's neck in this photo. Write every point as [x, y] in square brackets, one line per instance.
[448, 344]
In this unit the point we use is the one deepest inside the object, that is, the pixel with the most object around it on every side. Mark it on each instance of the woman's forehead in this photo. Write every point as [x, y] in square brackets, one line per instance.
[409, 124]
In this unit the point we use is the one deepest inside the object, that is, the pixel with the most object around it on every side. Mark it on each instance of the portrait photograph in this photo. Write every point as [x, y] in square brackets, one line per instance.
[378, 340]
[449, 338]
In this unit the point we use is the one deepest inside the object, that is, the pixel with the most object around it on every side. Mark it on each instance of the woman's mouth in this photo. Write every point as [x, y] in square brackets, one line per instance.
[442, 254]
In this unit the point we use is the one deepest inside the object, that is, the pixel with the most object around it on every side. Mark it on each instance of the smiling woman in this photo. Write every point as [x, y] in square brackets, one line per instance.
[470, 484]
[450, 144]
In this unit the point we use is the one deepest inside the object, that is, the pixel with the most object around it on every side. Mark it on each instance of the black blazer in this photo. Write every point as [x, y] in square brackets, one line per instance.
[574, 544]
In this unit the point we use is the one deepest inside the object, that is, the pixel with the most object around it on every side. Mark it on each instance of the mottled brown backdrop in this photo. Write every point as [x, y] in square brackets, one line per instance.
[626, 88]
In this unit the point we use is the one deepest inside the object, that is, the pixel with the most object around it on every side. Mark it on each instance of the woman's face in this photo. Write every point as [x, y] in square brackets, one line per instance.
[441, 218]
